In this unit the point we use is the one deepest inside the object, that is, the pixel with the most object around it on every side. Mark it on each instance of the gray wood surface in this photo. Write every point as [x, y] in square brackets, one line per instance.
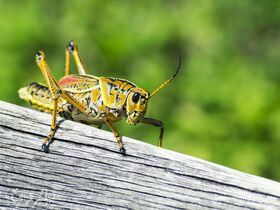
[84, 170]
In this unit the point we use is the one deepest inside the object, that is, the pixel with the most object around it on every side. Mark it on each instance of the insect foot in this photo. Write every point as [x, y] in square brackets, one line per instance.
[122, 150]
[45, 148]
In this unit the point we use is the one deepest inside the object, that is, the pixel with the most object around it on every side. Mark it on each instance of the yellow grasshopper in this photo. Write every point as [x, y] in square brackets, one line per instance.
[89, 99]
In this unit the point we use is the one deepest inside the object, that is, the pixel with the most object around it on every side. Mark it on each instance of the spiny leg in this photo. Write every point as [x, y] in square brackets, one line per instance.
[117, 135]
[53, 85]
[156, 123]
[56, 94]
[55, 91]
[47, 141]
[72, 48]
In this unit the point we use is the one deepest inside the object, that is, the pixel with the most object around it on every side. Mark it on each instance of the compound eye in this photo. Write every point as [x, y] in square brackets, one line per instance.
[136, 97]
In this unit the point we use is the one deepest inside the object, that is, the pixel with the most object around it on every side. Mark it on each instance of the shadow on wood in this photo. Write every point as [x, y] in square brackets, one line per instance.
[84, 170]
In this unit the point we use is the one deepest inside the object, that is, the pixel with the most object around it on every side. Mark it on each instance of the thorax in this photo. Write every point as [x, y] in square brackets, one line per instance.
[103, 97]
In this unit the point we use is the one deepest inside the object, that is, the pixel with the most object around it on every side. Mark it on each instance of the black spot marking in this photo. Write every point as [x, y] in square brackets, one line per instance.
[38, 54]
[88, 99]
[92, 110]
[70, 46]
[59, 92]
[117, 97]
[70, 107]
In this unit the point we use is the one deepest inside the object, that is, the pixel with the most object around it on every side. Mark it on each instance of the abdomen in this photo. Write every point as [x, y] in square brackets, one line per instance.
[40, 98]
[38, 95]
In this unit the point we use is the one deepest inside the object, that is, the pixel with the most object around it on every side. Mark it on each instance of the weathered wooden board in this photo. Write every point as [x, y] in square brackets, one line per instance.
[84, 170]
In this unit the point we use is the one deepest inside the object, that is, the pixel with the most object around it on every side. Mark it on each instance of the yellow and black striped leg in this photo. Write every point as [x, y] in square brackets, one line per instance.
[53, 85]
[117, 136]
[48, 140]
[156, 123]
[56, 94]
[73, 49]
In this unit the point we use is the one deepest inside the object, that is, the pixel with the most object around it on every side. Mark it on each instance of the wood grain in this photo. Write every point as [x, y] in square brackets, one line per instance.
[84, 170]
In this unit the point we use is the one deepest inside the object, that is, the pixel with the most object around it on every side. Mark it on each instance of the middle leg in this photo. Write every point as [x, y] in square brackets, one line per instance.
[117, 136]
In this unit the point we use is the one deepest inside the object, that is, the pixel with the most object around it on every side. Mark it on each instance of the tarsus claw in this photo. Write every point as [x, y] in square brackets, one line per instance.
[45, 148]
[122, 150]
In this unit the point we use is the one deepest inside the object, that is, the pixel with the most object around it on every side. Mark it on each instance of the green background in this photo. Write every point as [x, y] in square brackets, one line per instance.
[224, 104]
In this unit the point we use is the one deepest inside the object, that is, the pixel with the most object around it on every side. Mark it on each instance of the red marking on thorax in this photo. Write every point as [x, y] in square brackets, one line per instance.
[68, 80]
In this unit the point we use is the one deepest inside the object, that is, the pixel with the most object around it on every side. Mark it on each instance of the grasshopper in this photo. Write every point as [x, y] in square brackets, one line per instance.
[89, 99]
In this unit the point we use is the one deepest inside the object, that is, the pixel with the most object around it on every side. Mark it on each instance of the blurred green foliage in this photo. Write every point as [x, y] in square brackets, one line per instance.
[223, 106]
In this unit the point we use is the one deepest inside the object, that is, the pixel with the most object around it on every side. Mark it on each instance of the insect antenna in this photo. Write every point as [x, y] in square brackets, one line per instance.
[169, 80]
